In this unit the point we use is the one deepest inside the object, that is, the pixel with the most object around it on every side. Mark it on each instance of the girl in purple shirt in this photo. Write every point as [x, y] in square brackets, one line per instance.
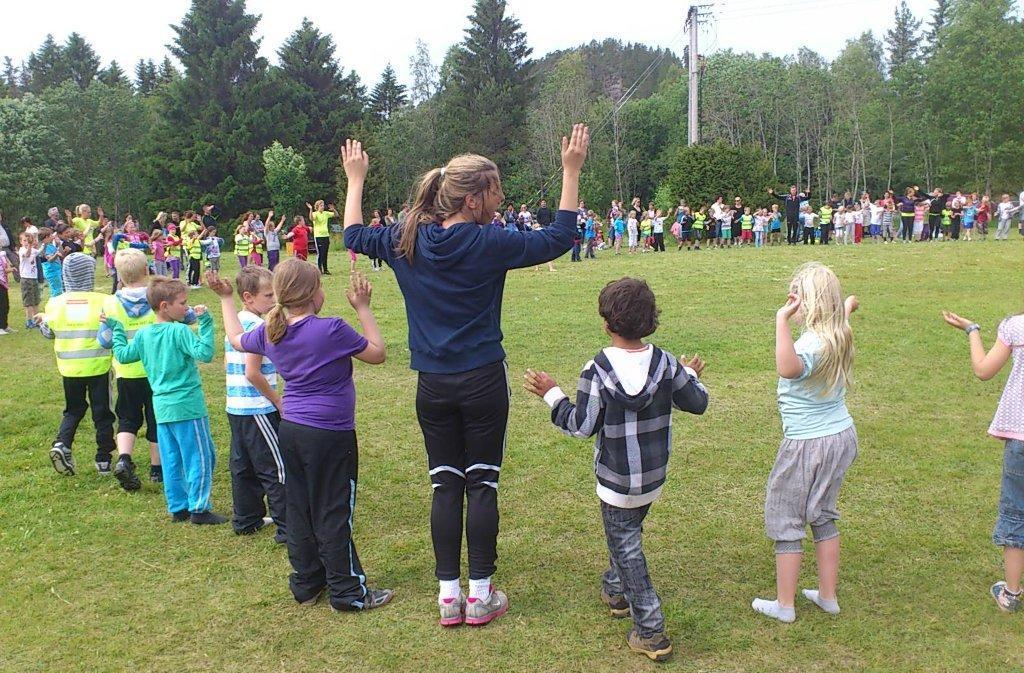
[317, 434]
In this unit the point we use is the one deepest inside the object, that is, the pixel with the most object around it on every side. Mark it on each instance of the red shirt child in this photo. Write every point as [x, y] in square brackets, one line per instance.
[300, 240]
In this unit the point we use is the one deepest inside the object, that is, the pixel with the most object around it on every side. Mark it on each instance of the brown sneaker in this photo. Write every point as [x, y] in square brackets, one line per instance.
[656, 648]
[618, 604]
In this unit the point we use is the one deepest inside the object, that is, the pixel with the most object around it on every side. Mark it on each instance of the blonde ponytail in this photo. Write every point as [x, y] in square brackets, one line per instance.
[296, 283]
[276, 324]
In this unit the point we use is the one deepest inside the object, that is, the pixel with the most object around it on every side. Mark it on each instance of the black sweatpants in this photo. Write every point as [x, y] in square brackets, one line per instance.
[659, 242]
[257, 470]
[97, 388]
[323, 246]
[826, 229]
[322, 468]
[194, 265]
[793, 232]
[808, 235]
[5, 305]
[908, 226]
[464, 418]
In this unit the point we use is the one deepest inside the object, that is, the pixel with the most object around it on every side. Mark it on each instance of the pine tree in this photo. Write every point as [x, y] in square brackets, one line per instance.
[167, 73]
[940, 16]
[145, 77]
[114, 75]
[81, 61]
[11, 89]
[902, 39]
[486, 85]
[46, 66]
[320, 106]
[388, 96]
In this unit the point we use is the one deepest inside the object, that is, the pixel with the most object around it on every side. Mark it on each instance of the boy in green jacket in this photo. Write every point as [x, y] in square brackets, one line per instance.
[168, 350]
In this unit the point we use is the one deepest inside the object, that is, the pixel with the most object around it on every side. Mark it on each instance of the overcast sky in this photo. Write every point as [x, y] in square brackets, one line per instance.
[371, 34]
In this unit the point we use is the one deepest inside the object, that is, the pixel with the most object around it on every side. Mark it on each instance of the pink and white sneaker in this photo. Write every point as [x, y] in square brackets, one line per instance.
[453, 610]
[480, 612]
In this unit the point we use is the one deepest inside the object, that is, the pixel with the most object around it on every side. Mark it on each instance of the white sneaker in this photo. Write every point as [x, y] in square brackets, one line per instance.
[4, 332]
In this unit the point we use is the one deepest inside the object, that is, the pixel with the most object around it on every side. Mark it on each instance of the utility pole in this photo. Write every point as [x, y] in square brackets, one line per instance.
[692, 130]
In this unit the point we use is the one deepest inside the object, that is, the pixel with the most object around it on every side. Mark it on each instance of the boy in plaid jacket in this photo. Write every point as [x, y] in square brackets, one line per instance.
[625, 396]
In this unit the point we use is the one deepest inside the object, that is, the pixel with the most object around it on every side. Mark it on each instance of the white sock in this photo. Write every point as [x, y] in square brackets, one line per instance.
[480, 589]
[774, 610]
[449, 589]
[829, 606]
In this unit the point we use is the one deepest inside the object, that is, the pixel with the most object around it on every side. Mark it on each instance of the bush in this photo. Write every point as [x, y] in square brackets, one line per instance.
[702, 173]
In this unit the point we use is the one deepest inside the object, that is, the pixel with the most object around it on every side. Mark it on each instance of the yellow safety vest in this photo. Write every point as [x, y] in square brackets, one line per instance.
[826, 215]
[243, 245]
[194, 246]
[74, 319]
[115, 309]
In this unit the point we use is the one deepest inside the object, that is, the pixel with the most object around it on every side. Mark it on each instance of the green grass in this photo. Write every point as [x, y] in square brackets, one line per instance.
[96, 579]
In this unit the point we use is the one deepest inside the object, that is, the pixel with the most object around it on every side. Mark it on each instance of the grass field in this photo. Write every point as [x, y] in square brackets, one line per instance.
[96, 579]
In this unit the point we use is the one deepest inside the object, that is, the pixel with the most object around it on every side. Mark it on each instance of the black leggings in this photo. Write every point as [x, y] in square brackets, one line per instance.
[323, 246]
[5, 305]
[908, 226]
[464, 419]
[659, 242]
[194, 265]
[97, 388]
[322, 468]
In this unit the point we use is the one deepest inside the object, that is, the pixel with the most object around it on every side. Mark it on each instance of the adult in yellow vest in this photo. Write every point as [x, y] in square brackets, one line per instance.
[130, 306]
[90, 228]
[72, 320]
[322, 232]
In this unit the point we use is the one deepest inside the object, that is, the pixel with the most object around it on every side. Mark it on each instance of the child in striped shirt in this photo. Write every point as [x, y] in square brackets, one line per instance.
[253, 406]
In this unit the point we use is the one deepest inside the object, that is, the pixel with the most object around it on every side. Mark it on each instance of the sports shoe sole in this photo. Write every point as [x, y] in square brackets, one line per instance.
[487, 619]
[61, 462]
[654, 655]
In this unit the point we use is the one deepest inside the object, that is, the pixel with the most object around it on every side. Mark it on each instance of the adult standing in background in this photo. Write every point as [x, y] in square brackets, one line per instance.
[544, 216]
[791, 203]
[320, 220]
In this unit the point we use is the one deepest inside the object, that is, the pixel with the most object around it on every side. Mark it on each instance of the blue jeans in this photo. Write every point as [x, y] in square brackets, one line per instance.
[1009, 530]
[627, 571]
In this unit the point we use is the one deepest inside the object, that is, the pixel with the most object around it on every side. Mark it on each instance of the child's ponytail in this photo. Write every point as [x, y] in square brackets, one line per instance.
[296, 284]
[276, 324]
[423, 211]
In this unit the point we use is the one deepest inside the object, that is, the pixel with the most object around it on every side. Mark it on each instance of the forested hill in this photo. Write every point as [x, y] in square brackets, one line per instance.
[613, 66]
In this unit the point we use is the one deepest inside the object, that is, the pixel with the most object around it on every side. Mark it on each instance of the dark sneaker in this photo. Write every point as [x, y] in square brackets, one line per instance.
[178, 517]
[103, 467]
[480, 612]
[1006, 601]
[656, 648]
[124, 471]
[62, 460]
[207, 518]
[252, 530]
[618, 604]
[453, 610]
[375, 598]
[156, 474]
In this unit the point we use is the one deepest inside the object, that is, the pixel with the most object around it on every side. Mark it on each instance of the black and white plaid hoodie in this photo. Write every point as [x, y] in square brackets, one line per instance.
[634, 432]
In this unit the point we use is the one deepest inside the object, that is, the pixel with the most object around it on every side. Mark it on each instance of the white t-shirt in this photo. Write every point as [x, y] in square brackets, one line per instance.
[658, 225]
[27, 262]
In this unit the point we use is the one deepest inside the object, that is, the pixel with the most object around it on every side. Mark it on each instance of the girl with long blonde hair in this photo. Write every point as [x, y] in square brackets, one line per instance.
[450, 264]
[317, 436]
[819, 439]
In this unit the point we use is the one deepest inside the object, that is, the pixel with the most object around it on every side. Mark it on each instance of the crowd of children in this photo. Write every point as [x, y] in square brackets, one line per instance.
[294, 457]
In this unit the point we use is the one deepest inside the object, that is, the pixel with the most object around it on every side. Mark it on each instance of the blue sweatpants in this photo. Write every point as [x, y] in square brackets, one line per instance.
[187, 454]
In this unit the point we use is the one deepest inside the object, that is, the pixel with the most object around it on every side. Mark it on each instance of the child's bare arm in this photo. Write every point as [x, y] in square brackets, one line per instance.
[984, 365]
[359, 293]
[787, 363]
[232, 325]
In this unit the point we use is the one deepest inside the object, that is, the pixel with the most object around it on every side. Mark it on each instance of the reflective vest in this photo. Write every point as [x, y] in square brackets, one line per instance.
[826, 215]
[115, 309]
[746, 222]
[243, 245]
[698, 220]
[74, 319]
[947, 217]
[123, 243]
[194, 246]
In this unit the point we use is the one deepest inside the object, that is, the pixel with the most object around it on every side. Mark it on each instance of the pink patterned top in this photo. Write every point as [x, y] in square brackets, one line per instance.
[1009, 419]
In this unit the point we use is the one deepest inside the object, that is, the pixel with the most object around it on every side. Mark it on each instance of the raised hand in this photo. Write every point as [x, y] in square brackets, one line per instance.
[790, 308]
[851, 304]
[574, 148]
[357, 163]
[695, 363]
[953, 320]
[538, 383]
[359, 291]
[221, 286]
[200, 309]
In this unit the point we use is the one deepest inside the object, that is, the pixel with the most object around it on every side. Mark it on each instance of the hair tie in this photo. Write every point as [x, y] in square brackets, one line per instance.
[442, 171]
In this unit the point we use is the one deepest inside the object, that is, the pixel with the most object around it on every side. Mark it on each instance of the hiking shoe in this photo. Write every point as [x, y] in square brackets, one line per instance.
[618, 604]
[480, 612]
[62, 460]
[178, 517]
[453, 610]
[207, 518]
[103, 467]
[1006, 601]
[374, 598]
[125, 473]
[656, 648]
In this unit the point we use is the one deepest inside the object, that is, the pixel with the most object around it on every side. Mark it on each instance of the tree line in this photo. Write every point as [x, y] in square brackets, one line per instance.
[934, 103]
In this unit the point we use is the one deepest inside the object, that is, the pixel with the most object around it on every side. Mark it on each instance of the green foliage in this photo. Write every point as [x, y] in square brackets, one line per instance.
[702, 173]
[286, 178]
[26, 140]
[388, 97]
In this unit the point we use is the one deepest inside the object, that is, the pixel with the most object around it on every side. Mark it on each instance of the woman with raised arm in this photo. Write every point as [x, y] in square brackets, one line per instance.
[451, 266]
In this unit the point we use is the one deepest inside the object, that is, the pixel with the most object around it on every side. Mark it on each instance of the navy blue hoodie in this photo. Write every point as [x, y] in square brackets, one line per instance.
[453, 286]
